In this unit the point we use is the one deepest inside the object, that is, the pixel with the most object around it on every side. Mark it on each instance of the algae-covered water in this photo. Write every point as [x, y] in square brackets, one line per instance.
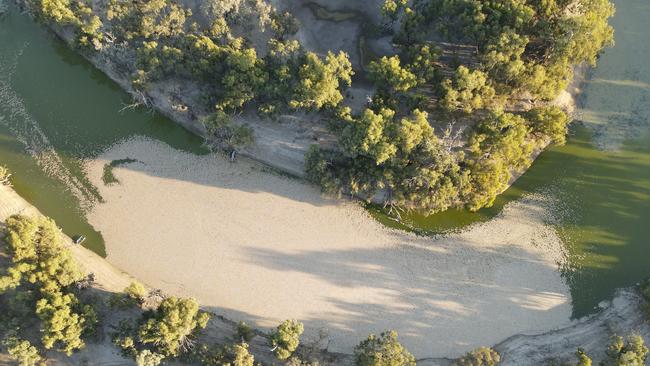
[600, 180]
[56, 110]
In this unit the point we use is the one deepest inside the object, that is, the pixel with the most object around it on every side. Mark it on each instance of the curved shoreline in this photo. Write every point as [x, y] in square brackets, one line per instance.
[623, 315]
[232, 235]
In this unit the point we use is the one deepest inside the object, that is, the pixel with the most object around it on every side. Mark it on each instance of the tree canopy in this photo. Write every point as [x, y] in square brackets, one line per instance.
[173, 325]
[286, 338]
[40, 264]
[384, 350]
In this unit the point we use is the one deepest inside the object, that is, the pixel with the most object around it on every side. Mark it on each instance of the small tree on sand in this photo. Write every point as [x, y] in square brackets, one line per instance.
[286, 338]
[173, 325]
[384, 350]
[482, 356]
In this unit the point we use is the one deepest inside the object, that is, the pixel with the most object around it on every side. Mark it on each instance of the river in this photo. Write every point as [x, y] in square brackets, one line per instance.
[56, 111]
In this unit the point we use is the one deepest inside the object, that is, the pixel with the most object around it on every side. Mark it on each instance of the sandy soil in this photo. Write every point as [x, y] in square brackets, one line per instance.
[261, 248]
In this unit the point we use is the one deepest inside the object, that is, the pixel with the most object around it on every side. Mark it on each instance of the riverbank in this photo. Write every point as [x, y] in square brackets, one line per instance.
[622, 316]
[262, 247]
[109, 279]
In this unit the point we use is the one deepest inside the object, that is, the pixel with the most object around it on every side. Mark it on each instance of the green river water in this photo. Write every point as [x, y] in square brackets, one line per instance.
[56, 110]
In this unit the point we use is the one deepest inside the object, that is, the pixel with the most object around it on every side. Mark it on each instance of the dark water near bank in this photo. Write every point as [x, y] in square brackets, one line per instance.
[56, 110]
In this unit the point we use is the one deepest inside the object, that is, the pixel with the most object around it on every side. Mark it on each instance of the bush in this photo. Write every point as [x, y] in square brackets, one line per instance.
[221, 127]
[466, 91]
[23, 352]
[173, 325]
[136, 291]
[286, 338]
[4, 176]
[229, 355]
[583, 359]
[148, 358]
[244, 332]
[549, 122]
[384, 350]
[626, 352]
[482, 356]
[43, 268]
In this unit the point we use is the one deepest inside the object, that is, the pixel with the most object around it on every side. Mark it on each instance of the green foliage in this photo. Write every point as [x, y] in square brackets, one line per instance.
[286, 338]
[400, 156]
[62, 325]
[77, 14]
[242, 76]
[549, 122]
[467, 90]
[173, 325]
[221, 127]
[150, 19]
[4, 176]
[244, 332]
[295, 361]
[21, 351]
[136, 291]
[389, 75]
[502, 59]
[41, 264]
[320, 81]
[498, 148]
[229, 355]
[422, 60]
[504, 50]
[284, 24]
[482, 356]
[238, 355]
[391, 8]
[525, 45]
[626, 352]
[384, 350]
[148, 358]
[368, 136]
[583, 359]
[38, 255]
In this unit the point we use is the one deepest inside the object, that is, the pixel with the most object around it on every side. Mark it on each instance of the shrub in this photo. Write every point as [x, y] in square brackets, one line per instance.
[41, 264]
[148, 358]
[384, 350]
[4, 176]
[245, 332]
[136, 291]
[583, 359]
[626, 352]
[23, 352]
[549, 122]
[286, 338]
[482, 356]
[173, 325]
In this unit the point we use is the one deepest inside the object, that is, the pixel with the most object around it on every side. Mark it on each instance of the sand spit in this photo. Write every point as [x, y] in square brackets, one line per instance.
[260, 247]
[102, 352]
[622, 316]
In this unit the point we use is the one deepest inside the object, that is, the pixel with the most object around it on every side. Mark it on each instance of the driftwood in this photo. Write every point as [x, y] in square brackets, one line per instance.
[138, 99]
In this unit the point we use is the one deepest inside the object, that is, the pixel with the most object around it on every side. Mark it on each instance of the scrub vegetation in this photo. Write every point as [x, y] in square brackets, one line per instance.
[491, 66]
[5, 176]
[516, 52]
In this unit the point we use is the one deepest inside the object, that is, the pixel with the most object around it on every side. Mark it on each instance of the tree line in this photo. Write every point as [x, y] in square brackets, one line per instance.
[516, 53]
[516, 50]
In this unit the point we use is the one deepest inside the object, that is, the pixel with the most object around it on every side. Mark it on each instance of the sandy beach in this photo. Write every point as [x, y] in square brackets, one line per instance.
[260, 247]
